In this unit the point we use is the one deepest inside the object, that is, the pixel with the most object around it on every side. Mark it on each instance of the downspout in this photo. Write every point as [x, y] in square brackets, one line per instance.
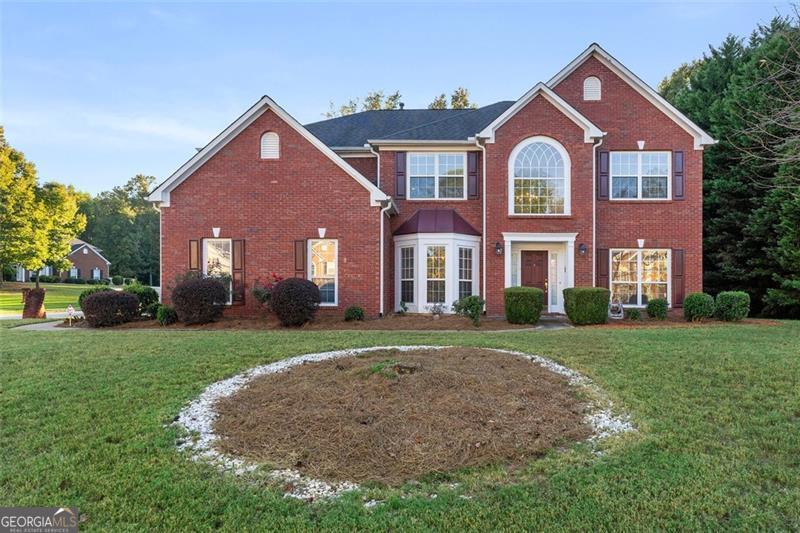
[384, 210]
[594, 211]
[378, 164]
[483, 219]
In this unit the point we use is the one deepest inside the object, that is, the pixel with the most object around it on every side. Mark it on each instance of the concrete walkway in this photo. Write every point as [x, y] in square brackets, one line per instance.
[54, 314]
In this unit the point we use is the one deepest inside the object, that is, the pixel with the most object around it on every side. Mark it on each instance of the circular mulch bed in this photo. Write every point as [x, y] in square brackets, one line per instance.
[390, 416]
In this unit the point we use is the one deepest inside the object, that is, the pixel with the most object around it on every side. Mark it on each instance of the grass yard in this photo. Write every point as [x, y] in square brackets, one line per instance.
[84, 421]
[57, 297]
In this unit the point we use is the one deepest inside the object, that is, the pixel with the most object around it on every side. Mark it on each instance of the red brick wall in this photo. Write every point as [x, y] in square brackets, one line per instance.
[367, 166]
[538, 117]
[270, 204]
[628, 117]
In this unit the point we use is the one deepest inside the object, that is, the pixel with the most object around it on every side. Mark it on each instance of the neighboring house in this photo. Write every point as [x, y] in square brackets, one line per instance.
[589, 179]
[87, 263]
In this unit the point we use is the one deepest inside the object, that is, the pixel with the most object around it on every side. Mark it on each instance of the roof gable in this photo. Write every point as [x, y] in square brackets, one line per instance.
[701, 138]
[161, 193]
[92, 249]
[590, 131]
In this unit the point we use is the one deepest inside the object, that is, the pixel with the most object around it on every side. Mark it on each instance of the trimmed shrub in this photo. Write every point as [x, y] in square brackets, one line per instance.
[199, 300]
[633, 314]
[354, 312]
[46, 279]
[295, 301]
[109, 308]
[166, 315]
[152, 309]
[116, 280]
[587, 305]
[129, 281]
[732, 305]
[470, 307]
[523, 305]
[87, 292]
[147, 295]
[698, 306]
[657, 308]
[75, 281]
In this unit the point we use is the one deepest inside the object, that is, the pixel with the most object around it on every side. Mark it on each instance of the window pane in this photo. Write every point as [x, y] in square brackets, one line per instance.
[624, 164]
[627, 293]
[653, 290]
[624, 187]
[422, 187]
[540, 180]
[464, 289]
[422, 165]
[624, 266]
[407, 275]
[407, 291]
[435, 292]
[654, 187]
[451, 187]
[435, 274]
[323, 269]
[654, 265]
[451, 164]
[464, 272]
[655, 164]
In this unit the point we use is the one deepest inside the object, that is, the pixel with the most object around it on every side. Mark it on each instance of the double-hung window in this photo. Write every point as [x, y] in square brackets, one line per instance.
[436, 275]
[323, 265]
[407, 274]
[436, 176]
[464, 272]
[218, 262]
[640, 175]
[639, 275]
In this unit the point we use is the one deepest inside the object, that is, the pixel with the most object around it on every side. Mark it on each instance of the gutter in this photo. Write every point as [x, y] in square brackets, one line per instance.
[378, 159]
[483, 219]
[384, 210]
[594, 210]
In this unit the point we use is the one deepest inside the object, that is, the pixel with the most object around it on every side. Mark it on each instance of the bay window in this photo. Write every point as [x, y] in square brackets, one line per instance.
[218, 262]
[639, 275]
[436, 275]
[323, 265]
[436, 176]
[640, 175]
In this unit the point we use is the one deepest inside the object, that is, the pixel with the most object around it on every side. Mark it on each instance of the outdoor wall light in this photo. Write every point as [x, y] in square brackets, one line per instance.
[582, 249]
[498, 248]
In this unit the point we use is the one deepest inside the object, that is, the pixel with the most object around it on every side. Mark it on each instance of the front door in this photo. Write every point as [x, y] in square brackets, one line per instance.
[534, 270]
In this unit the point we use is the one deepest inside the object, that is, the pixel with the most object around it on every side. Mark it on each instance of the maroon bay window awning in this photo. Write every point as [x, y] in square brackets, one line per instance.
[436, 221]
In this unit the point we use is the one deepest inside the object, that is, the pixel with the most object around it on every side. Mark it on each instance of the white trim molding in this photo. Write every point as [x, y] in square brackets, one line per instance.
[161, 194]
[590, 131]
[701, 138]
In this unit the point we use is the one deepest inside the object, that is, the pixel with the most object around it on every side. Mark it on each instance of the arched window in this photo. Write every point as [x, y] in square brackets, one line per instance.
[591, 88]
[270, 145]
[539, 178]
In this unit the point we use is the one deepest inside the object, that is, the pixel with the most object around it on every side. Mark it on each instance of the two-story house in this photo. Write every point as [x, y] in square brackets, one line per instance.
[590, 179]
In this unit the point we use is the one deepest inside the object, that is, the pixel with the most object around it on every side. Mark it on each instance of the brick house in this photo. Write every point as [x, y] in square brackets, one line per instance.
[87, 263]
[590, 179]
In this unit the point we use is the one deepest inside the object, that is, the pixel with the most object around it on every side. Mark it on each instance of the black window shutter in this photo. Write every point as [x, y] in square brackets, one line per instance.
[472, 174]
[400, 175]
[194, 255]
[300, 258]
[677, 278]
[602, 175]
[238, 272]
[677, 176]
[602, 268]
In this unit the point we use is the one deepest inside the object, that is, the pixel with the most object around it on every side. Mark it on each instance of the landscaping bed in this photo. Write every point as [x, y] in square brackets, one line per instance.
[392, 416]
[675, 319]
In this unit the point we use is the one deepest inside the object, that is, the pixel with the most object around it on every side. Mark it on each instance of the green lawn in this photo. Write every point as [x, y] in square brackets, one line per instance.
[57, 297]
[84, 414]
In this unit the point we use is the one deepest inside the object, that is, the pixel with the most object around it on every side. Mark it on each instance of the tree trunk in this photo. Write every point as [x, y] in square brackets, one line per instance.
[37, 280]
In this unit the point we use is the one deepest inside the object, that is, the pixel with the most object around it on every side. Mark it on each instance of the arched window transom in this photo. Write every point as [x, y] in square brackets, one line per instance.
[539, 178]
[270, 145]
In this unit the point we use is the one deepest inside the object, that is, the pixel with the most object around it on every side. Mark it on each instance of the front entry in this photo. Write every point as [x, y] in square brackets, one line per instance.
[534, 270]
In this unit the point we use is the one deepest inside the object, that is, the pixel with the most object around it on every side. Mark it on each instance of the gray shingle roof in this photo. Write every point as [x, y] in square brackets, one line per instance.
[406, 124]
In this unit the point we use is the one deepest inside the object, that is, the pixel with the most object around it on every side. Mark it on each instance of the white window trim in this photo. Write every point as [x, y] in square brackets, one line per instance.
[435, 177]
[452, 242]
[459, 279]
[639, 281]
[567, 177]
[639, 176]
[335, 242]
[205, 264]
[73, 272]
[95, 270]
[401, 279]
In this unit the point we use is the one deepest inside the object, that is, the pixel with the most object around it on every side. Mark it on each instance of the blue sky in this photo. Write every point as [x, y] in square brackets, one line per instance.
[95, 93]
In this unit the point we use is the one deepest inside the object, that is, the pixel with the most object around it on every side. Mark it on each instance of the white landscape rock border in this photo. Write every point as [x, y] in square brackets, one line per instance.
[197, 418]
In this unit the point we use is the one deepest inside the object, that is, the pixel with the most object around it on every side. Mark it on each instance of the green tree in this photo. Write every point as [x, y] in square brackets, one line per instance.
[440, 102]
[374, 101]
[459, 99]
[63, 222]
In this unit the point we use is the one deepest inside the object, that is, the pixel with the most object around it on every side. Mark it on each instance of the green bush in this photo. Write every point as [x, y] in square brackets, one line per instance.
[698, 306]
[295, 301]
[109, 308]
[732, 305]
[116, 280]
[470, 307]
[87, 292]
[633, 314]
[657, 308]
[166, 315]
[147, 295]
[129, 281]
[199, 300]
[587, 305]
[75, 281]
[45, 279]
[152, 309]
[523, 304]
[354, 312]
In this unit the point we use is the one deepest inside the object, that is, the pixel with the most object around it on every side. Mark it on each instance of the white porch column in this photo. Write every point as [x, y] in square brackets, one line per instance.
[507, 261]
[570, 278]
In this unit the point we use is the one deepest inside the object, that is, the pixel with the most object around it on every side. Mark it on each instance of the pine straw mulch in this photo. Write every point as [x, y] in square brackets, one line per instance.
[392, 416]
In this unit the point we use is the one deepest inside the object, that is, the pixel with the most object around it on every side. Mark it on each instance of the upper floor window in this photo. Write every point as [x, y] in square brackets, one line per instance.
[539, 178]
[436, 176]
[270, 145]
[591, 89]
[640, 175]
